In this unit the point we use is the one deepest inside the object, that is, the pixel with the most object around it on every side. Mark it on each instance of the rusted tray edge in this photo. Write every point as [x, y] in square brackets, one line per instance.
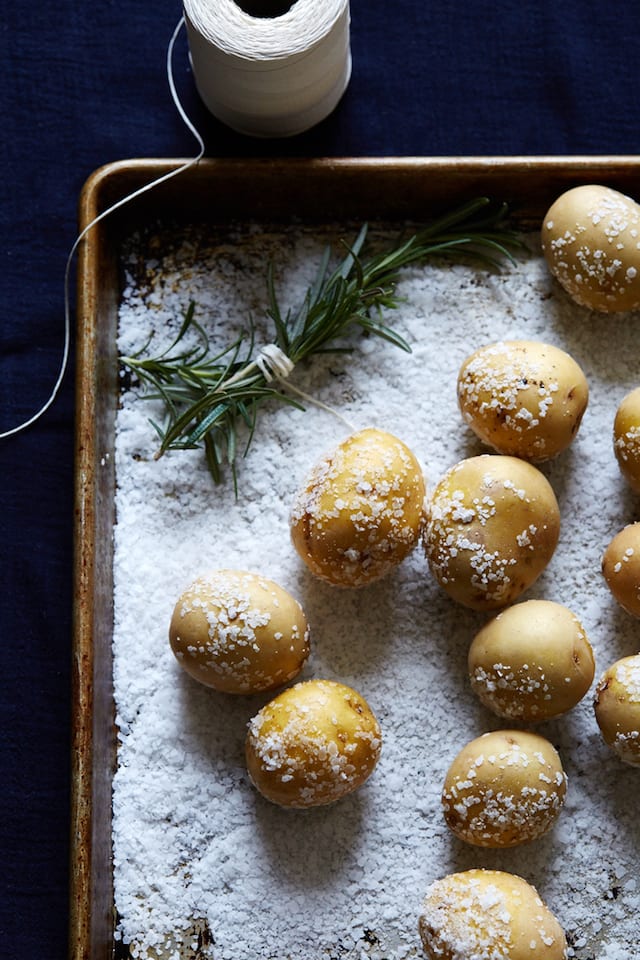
[404, 187]
[376, 188]
[93, 745]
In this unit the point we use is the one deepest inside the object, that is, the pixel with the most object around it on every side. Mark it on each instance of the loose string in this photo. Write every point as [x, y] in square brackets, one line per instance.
[105, 213]
[274, 364]
[321, 406]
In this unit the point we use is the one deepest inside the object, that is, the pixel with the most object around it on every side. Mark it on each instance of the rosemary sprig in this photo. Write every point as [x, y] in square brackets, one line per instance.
[209, 397]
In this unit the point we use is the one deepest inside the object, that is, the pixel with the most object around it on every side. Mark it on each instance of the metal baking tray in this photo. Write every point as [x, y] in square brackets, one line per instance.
[218, 191]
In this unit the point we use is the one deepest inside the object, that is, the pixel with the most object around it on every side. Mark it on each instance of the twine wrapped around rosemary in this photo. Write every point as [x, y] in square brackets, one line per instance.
[210, 398]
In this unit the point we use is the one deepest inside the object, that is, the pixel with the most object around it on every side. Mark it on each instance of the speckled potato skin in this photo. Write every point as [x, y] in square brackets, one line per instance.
[591, 242]
[503, 789]
[488, 915]
[239, 632]
[531, 662]
[359, 512]
[621, 568]
[492, 527]
[626, 438]
[523, 398]
[313, 744]
[617, 708]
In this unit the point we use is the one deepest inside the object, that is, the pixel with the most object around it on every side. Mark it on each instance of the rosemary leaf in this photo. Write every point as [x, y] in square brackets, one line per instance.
[209, 396]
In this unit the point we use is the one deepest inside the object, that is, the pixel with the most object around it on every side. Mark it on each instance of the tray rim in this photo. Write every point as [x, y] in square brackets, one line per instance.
[100, 189]
[89, 919]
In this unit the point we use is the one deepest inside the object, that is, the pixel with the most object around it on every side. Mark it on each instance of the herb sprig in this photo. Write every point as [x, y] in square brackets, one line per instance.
[209, 398]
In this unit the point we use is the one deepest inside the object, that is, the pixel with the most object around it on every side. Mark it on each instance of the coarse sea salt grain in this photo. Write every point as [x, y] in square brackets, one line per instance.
[203, 866]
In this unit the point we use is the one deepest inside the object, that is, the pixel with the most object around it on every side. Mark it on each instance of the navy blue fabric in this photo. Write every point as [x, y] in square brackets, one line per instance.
[84, 84]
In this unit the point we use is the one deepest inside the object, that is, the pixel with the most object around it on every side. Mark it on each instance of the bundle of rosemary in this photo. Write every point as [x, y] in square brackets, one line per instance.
[210, 398]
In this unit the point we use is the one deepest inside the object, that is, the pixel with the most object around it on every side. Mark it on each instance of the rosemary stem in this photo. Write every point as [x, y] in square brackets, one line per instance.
[240, 376]
[210, 397]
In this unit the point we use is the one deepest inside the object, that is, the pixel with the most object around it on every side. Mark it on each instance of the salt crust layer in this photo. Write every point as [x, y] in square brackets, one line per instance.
[203, 866]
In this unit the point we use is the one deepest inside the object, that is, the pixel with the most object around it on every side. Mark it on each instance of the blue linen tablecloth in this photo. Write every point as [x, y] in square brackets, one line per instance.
[84, 85]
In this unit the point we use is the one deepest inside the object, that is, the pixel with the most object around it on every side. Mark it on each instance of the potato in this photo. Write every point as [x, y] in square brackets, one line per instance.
[523, 398]
[504, 788]
[617, 708]
[492, 527]
[591, 242]
[239, 632]
[531, 662]
[488, 915]
[314, 743]
[359, 512]
[621, 568]
[626, 438]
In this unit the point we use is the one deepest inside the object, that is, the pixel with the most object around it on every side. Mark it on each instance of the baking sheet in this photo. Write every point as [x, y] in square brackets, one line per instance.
[318, 190]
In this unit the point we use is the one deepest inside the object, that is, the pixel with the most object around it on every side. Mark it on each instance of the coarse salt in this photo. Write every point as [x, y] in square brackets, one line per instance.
[203, 866]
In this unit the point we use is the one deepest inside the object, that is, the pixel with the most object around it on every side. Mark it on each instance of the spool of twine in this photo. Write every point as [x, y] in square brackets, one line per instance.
[269, 68]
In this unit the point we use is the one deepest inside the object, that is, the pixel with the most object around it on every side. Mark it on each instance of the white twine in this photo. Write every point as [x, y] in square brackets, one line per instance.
[269, 76]
[274, 364]
[105, 213]
[320, 405]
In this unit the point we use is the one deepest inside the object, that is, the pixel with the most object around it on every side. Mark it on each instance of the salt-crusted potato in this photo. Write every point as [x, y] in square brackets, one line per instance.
[626, 438]
[359, 512]
[504, 788]
[531, 662]
[591, 242]
[617, 708]
[488, 915]
[314, 743]
[239, 632]
[492, 527]
[621, 568]
[523, 398]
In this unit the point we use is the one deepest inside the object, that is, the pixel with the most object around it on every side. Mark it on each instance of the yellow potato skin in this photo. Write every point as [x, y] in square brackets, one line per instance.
[617, 708]
[492, 526]
[626, 438]
[359, 512]
[504, 788]
[239, 632]
[523, 398]
[590, 239]
[531, 662]
[621, 568]
[312, 744]
[488, 913]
